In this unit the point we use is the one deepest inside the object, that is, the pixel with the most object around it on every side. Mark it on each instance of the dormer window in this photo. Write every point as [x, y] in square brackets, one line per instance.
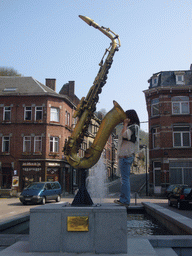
[180, 79]
[10, 89]
[154, 81]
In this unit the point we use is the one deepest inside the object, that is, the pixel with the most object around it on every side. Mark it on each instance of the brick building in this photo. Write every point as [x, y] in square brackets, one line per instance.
[169, 106]
[34, 122]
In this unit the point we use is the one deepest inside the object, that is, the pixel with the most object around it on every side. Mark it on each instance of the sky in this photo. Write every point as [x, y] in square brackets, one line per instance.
[47, 39]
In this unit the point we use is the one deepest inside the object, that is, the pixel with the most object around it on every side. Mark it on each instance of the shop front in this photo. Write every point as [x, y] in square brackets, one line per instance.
[37, 171]
[53, 171]
[69, 179]
[7, 178]
[31, 172]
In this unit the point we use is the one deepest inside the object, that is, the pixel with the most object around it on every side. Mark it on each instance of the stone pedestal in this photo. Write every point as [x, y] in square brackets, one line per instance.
[106, 233]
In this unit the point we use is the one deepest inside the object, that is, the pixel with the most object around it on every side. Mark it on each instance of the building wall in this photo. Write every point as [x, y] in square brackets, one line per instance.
[36, 164]
[169, 161]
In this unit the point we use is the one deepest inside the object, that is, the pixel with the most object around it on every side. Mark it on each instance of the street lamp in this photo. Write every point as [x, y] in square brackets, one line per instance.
[146, 176]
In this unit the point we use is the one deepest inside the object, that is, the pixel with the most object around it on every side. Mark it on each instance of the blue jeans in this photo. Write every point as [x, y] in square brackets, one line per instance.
[125, 167]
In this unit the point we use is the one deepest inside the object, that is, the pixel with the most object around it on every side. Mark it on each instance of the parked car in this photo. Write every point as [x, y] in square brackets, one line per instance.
[41, 192]
[181, 197]
[170, 188]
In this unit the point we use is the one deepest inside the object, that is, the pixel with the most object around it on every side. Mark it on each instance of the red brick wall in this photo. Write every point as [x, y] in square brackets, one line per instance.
[18, 128]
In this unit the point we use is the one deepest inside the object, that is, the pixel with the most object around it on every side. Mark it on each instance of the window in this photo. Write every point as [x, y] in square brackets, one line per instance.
[74, 177]
[37, 144]
[156, 137]
[180, 79]
[28, 113]
[180, 105]
[67, 118]
[157, 173]
[155, 107]
[180, 172]
[54, 144]
[38, 113]
[154, 81]
[74, 121]
[104, 153]
[6, 144]
[54, 114]
[181, 136]
[7, 114]
[10, 89]
[48, 186]
[95, 129]
[90, 128]
[27, 144]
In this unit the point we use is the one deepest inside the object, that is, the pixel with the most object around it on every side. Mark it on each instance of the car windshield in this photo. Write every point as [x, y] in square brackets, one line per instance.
[170, 187]
[35, 186]
[187, 191]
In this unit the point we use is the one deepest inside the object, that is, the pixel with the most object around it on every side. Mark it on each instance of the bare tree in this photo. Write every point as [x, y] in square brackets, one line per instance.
[5, 71]
[101, 113]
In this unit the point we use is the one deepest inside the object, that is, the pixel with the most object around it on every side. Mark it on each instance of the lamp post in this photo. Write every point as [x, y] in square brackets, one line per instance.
[146, 176]
[113, 156]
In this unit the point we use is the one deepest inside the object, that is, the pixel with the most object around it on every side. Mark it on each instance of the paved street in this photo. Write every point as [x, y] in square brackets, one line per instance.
[9, 207]
[136, 180]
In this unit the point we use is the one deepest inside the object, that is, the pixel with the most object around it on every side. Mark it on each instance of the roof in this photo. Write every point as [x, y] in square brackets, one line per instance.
[26, 86]
[168, 78]
[19, 85]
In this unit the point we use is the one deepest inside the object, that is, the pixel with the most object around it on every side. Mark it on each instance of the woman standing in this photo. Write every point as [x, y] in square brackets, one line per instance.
[128, 146]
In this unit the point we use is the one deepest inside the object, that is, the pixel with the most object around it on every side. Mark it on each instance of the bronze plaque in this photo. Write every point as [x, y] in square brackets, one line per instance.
[77, 223]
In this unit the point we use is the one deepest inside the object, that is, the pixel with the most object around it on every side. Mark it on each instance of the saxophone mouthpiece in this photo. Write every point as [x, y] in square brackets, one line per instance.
[89, 21]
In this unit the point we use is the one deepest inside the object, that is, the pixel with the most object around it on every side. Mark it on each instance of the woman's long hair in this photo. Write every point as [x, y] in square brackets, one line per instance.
[132, 115]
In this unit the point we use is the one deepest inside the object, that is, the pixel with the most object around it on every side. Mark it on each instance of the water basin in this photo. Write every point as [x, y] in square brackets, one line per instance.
[142, 224]
[138, 224]
[21, 228]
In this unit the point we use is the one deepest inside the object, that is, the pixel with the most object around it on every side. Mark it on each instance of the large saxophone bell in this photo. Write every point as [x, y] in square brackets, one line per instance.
[115, 116]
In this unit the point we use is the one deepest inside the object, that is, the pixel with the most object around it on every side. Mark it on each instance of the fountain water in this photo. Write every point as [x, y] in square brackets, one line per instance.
[97, 182]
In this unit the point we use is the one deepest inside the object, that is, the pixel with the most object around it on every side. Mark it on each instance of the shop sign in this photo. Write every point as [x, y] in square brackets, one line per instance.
[53, 164]
[15, 181]
[28, 169]
[52, 171]
[31, 164]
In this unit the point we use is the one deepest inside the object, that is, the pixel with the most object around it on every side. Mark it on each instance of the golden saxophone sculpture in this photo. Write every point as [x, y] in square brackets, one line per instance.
[87, 106]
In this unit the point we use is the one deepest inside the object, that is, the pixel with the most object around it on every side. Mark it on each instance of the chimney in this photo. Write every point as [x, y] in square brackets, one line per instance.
[51, 83]
[191, 67]
[71, 88]
[68, 89]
